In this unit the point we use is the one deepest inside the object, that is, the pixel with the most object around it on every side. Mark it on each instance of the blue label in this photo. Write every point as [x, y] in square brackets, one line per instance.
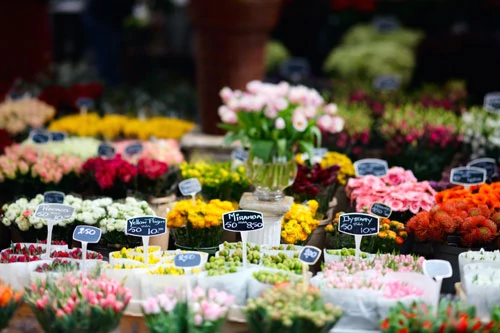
[189, 259]
[53, 197]
[310, 255]
[87, 234]
[242, 220]
[40, 137]
[295, 69]
[57, 136]
[134, 149]
[492, 102]
[386, 24]
[85, 103]
[386, 83]
[358, 224]
[146, 226]
[190, 186]
[106, 150]
[240, 154]
[370, 166]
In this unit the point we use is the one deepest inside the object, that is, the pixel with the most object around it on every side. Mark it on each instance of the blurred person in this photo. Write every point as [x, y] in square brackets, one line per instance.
[103, 21]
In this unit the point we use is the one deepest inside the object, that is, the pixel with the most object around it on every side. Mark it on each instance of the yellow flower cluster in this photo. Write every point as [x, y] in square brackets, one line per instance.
[166, 270]
[213, 174]
[345, 163]
[131, 254]
[199, 215]
[113, 126]
[298, 223]
[123, 266]
[392, 230]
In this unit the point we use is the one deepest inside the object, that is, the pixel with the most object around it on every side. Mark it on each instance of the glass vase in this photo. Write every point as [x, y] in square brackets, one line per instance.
[270, 178]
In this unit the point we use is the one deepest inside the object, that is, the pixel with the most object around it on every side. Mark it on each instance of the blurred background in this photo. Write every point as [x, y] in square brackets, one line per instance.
[132, 56]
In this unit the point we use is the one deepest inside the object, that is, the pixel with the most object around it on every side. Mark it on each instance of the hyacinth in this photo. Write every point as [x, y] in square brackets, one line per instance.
[167, 151]
[298, 223]
[114, 126]
[17, 116]
[476, 224]
[286, 305]
[283, 116]
[91, 304]
[27, 162]
[398, 189]
[109, 171]
[199, 214]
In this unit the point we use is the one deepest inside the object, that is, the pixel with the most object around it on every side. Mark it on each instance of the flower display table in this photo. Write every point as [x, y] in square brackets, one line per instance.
[24, 321]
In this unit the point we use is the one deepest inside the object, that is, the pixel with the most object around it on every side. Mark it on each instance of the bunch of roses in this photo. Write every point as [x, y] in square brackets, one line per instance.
[488, 194]
[398, 189]
[17, 116]
[298, 223]
[151, 168]
[107, 172]
[475, 224]
[26, 161]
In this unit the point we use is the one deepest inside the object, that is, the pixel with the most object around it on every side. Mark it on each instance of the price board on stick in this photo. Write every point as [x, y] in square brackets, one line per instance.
[386, 83]
[386, 24]
[240, 154]
[467, 176]
[308, 256]
[381, 210]
[86, 234]
[358, 225]
[106, 150]
[371, 166]
[39, 136]
[57, 136]
[486, 163]
[243, 221]
[53, 197]
[190, 187]
[145, 227]
[52, 212]
[187, 260]
[492, 102]
[84, 104]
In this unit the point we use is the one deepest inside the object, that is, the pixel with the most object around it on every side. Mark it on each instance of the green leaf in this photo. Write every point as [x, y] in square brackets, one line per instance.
[262, 149]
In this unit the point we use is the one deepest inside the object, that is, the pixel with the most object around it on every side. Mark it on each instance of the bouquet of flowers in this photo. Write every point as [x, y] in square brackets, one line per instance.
[26, 171]
[218, 180]
[113, 176]
[78, 303]
[20, 115]
[471, 224]
[115, 126]
[291, 308]
[356, 135]
[422, 140]
[419, 317]
[19, 215]
[481, 132]
[198, 224]
[10, 300]
[169, 311]
[299, 223]
[274, 121]
[81, 147]
[399, 189]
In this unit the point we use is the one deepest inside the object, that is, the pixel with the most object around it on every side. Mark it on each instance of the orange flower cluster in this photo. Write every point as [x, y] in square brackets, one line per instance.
[7, 295]
[475, 224]
[487, 194]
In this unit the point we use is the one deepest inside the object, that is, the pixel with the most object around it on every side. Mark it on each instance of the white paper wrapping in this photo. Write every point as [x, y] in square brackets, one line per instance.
[130, 279]
[154, 284]
[270, 234]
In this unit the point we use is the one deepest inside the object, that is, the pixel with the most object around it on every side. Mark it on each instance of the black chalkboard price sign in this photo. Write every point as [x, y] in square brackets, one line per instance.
[39, 137]
[242, 220]
[85, 103]
[492, 102]
[310, 255]
[386, 24]
[134, 149]
[87, 234]
[358, 224]
[53, 197]
[370, 166]
[467, 176]
[381, 209]
[485, 163]
[146, 226]
[106, 150]
[188, 259]
[386, 83]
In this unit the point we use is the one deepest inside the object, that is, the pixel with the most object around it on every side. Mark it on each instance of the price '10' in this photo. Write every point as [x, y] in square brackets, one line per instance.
[84, 231]
[138, 230]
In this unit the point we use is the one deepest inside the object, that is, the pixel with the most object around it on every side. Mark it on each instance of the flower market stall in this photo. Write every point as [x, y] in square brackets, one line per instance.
[327, 216]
